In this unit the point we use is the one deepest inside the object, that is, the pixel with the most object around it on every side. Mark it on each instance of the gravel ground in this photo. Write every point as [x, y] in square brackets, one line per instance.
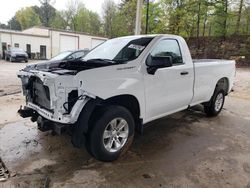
[186, 149]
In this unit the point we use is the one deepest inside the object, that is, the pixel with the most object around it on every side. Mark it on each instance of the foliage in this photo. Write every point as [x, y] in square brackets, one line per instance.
[14, 24]
[27, 17]
[189, 18]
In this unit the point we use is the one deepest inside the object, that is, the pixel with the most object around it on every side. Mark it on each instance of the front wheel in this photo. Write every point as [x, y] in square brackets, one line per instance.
[112, 133]
[215, 105]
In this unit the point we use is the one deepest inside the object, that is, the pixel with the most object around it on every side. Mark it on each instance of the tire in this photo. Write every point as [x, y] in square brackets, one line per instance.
[26, 61]
[108, 149]
[215, 105]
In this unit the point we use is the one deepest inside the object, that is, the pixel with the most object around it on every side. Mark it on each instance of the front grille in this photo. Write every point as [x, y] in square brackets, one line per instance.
[40, 94]
[20, 56]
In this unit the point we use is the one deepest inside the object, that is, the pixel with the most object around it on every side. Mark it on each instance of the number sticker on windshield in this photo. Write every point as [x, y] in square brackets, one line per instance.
[136, 47]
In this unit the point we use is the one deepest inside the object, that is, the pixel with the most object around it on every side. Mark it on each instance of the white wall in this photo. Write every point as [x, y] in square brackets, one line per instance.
[49, 38]
[85, 41]
[37, 31]
[23, 40]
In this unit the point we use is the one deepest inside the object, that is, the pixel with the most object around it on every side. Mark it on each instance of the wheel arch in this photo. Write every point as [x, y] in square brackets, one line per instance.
[93, 109]
[223, 84]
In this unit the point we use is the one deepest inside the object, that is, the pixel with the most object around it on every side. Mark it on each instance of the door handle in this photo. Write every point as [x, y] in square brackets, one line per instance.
[184, 73]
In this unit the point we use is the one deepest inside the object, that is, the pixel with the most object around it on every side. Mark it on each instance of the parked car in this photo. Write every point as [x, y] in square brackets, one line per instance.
[16, 54]
[56, 60]
[120, 86]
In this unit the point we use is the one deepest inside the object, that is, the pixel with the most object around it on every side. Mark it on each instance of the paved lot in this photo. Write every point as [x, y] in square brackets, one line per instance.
[186, 149]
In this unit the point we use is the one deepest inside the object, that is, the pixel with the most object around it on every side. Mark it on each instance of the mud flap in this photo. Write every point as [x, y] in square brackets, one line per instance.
[82, 124]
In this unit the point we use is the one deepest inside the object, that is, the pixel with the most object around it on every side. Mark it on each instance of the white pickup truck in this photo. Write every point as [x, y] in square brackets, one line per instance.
[118, 87]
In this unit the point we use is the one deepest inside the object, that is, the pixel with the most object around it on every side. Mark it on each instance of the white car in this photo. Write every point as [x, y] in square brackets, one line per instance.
[121, 85]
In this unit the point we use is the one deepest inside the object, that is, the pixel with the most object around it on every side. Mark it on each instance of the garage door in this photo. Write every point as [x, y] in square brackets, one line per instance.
[68, 43]
[96, 42]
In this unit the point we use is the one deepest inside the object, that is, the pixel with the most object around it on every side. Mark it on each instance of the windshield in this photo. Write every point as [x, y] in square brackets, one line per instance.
[17, 50]
[119, 49]
[61, 56]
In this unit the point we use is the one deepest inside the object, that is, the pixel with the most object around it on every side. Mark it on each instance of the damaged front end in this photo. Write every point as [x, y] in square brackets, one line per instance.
[52, 97]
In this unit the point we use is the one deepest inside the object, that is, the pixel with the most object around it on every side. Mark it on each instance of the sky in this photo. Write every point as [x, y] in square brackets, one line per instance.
[8, 8]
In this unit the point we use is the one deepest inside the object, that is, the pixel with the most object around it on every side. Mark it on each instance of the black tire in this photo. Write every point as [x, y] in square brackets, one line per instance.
[26, 61]
[95, 142]
[210, 108]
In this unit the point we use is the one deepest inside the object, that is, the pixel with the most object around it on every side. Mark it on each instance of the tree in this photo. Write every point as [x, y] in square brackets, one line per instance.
[79, 18]
[46, 12]
[156, 21]
[109, 14]
[239, 17]
[14, 24]
[27, 17]
[58, 22]
[3, 26]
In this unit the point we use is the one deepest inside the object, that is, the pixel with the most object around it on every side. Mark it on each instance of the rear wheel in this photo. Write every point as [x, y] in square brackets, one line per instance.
[112, 133]
[215, 105]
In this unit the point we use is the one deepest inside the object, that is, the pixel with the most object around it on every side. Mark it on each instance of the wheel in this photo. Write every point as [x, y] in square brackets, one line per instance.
[112, 133]
[26, 61]
[215, 105]
[11, 60]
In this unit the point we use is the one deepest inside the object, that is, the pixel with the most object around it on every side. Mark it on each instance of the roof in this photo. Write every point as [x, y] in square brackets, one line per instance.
[24, 32]
[66, 31]
[10, 31]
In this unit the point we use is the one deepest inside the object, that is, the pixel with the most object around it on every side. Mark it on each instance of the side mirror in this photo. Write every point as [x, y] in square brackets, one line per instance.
[154, 63]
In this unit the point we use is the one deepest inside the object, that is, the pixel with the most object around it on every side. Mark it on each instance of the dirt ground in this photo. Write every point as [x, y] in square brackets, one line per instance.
[186, 149]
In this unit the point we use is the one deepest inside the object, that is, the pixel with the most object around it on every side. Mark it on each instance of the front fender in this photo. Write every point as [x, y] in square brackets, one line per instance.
[112, 81]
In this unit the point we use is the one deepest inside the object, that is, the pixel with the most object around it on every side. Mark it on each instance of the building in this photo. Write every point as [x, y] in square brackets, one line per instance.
[44, 43]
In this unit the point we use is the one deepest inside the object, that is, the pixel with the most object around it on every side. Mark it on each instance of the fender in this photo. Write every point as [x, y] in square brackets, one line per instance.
[107, 82]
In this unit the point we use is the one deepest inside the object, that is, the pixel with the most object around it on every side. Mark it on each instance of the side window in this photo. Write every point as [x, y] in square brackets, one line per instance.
[79, 54]
[76, 55]
[168, 47]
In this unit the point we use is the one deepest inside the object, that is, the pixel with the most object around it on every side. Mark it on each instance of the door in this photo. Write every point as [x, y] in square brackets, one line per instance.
[170, 89]
[42, 52]
[68, 43]
[4, 48]
[28, 50]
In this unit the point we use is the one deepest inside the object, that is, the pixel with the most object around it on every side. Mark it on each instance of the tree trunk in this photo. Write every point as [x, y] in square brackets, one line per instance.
[225, 19]
[205, 20]
[239, 17]
[198, 25]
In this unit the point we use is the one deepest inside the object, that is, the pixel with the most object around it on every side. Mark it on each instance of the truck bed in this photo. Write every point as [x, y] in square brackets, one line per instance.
[207, 74]
[210, 60]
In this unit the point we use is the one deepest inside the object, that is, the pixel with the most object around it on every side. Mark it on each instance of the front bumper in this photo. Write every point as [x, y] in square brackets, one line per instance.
[59, 89]
[21, 58]
[58, 117]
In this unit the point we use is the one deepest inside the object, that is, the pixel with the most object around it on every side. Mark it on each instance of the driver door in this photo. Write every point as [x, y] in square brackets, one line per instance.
[169, 89]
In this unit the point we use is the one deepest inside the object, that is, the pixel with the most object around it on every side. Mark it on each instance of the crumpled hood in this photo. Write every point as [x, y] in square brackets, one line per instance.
[43, 65]
[66, 67]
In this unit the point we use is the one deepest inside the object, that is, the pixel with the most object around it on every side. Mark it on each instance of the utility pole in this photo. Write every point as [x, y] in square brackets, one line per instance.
[138, 17]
